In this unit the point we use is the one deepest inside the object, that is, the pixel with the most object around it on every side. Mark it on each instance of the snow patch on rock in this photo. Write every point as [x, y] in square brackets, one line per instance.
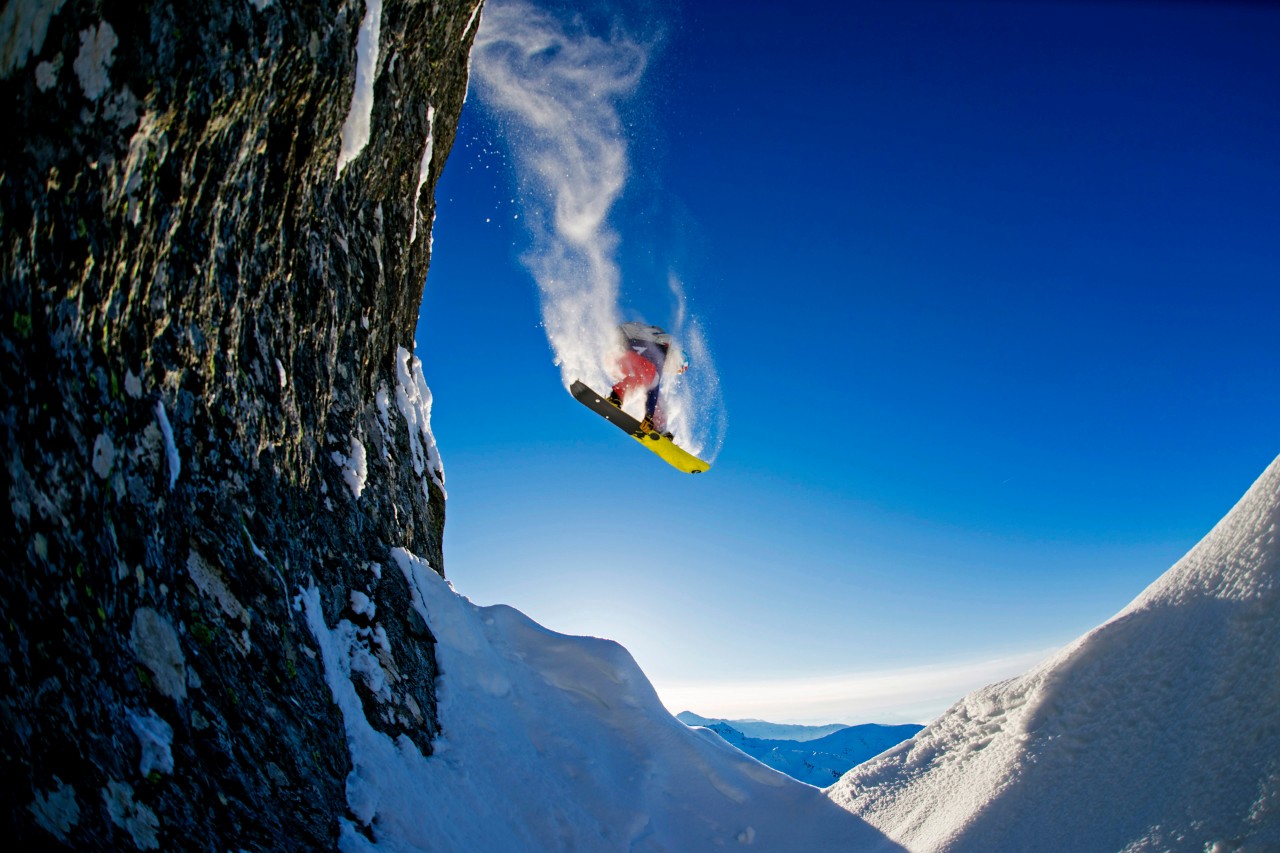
[413, 398]
[355, 469]
[356, 130]
[361, 605]
[471, 22]
[424, 172]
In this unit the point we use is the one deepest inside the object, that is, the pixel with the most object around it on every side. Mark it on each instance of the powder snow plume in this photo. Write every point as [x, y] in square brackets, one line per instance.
[557, 88]
[693, 400]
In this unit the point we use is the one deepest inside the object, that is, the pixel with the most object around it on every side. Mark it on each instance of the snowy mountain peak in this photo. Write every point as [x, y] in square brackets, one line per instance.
[1159, 730]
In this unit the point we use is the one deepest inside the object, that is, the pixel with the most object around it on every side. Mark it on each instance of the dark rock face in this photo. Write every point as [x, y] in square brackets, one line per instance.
[207, 404]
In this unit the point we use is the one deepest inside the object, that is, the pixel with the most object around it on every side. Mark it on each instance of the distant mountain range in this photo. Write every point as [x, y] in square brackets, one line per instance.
[815, 759]
[762, 729]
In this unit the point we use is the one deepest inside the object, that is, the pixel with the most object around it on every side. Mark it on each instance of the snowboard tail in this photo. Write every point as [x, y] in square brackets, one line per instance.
[663, 447]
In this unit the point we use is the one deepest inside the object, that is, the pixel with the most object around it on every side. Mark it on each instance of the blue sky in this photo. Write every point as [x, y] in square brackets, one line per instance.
[991, 292]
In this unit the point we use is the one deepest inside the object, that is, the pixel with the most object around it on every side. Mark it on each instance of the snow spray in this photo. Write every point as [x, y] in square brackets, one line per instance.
[557, 88]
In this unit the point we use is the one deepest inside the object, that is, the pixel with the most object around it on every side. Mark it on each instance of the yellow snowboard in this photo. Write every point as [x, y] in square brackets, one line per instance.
[674, 455]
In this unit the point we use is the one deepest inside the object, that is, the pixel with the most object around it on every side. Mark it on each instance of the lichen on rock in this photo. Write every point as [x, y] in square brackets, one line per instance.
[156, 644]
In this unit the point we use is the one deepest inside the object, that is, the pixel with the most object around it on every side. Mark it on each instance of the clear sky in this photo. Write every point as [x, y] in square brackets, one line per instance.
[992, 294]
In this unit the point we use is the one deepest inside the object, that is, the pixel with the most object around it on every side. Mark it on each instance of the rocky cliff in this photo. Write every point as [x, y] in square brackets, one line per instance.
[216, 229]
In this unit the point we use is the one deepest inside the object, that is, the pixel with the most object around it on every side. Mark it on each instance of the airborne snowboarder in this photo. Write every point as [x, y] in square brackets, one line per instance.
[644, 355]
[639, 366]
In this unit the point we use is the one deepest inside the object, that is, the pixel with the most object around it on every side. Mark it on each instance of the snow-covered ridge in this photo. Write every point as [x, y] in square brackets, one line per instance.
[1159, 730]
[550, 742]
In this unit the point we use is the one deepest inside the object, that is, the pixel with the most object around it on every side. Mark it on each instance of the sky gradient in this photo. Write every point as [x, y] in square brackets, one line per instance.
[991, 293]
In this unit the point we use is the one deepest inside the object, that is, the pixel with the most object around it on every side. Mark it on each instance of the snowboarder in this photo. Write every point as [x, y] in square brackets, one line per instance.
[644, 355]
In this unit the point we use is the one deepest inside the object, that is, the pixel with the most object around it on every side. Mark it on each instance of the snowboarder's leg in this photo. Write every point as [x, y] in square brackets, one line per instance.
[637, 373]
[655, 419]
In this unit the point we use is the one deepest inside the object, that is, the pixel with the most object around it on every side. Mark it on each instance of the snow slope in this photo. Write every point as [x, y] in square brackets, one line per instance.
[1159, 730]
[550, 742]
[822, 761]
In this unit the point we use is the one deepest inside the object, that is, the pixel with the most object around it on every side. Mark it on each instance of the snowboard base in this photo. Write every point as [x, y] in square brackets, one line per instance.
[657, 443]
